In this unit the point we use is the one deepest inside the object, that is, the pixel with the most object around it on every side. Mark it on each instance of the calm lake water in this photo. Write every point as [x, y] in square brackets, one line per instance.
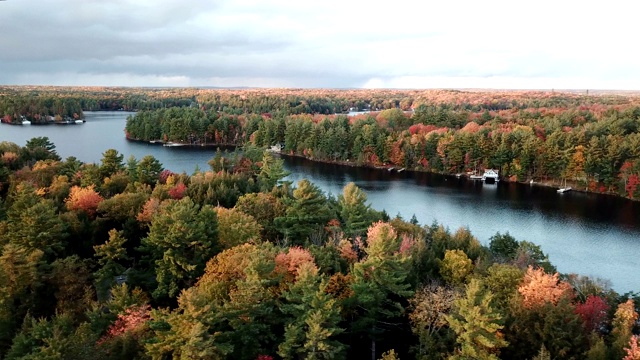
[587, 234]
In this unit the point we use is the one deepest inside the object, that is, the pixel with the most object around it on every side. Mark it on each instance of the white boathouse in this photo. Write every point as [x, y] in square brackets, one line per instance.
[490, 175]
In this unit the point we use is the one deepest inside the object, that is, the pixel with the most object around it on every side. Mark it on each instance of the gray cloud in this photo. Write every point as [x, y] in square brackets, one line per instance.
[312, 44]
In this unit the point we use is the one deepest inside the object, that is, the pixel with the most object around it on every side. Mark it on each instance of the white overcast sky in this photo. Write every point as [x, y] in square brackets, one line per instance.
[331, 43]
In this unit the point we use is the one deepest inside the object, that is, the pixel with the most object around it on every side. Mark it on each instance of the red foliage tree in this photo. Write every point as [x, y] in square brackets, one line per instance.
[632, 185]
[132, 320]
[177, 192]
[593, 312]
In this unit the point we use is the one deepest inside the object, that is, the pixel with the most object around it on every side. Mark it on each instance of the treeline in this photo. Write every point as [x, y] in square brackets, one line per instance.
[126, 260]
[42, 104]
[594, 148]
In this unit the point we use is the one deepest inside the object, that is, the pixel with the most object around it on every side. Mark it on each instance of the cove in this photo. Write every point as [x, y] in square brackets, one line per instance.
[588, 234]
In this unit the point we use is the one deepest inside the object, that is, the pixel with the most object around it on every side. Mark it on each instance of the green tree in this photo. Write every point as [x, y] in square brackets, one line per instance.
[380, 281]
[307, 214]
[477, 324]
[271, 172]
[110, 256]
[236, 228]
[504, 246]
[111, 163]
[182, 237]
[314, 316]
[354, 212]
[148, 170]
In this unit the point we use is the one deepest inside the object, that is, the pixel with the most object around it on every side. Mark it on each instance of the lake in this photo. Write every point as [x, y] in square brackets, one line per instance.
[595, 235]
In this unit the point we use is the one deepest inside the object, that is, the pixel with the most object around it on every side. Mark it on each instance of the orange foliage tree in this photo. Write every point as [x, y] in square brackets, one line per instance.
[84, 199]
[539, 288]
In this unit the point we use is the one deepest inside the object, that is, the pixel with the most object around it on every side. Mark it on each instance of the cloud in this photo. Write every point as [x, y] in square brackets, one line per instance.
[318, 44]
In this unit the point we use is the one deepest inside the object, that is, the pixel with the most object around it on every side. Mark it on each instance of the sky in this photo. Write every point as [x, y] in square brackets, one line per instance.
[524, 44]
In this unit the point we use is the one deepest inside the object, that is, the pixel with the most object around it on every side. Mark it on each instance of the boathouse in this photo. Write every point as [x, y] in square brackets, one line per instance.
[490, 175]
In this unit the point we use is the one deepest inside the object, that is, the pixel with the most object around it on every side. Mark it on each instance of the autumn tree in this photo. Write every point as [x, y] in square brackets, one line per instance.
[236, 227]
[230, 312]
[539, 287]
[623, 322]
[455, 267]
[85, 199]
[430, 306]
[264, 208]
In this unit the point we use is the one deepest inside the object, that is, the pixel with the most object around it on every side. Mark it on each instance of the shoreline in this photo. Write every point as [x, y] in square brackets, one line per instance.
[390, 168]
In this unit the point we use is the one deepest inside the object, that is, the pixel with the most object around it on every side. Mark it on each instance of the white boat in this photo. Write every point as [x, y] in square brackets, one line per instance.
[79, 121]
[564, 190]
[475, 177]
[172, 144]
[401, 170]
[26, 122]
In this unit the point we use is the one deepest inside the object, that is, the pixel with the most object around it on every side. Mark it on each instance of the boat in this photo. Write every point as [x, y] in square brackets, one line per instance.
[475, 177]
[79, 121]
[172, 144]
[26, 122]
[565, 188]
[401, 170]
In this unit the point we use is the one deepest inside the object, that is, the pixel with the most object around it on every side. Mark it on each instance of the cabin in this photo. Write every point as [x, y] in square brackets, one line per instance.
[490, 175]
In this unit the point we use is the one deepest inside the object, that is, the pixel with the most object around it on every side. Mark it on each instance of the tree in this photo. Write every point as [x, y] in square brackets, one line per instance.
[504, 246]
[40, 148]
[623, 322]
[182, 237]
[379, 282]
[111, 163]
[314, 316]
[307, 214]
[33, 222]
[593, 313]
[455, 267]
[476, 324]
[430, 306]
[353, 210]
[110, 256]
[148, 170]
[229, 313]
[236, 228]
[85, 199]
[271, 172]
[539, 287]
[264, 208]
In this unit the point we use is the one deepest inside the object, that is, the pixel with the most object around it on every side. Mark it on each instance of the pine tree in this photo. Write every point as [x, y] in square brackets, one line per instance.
[476, 324]
[182, 237]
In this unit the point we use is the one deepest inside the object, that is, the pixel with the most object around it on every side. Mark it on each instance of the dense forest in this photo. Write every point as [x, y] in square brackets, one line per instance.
[123, 259]
[590, 142]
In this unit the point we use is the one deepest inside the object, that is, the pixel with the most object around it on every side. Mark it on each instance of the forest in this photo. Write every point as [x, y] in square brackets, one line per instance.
[589, 142]
[123, 259]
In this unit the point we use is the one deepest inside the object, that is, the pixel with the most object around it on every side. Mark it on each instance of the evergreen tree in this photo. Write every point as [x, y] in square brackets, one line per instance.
[314, 316]
[182, 237]
[353, 210]
[307, 214]
[476, 324]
